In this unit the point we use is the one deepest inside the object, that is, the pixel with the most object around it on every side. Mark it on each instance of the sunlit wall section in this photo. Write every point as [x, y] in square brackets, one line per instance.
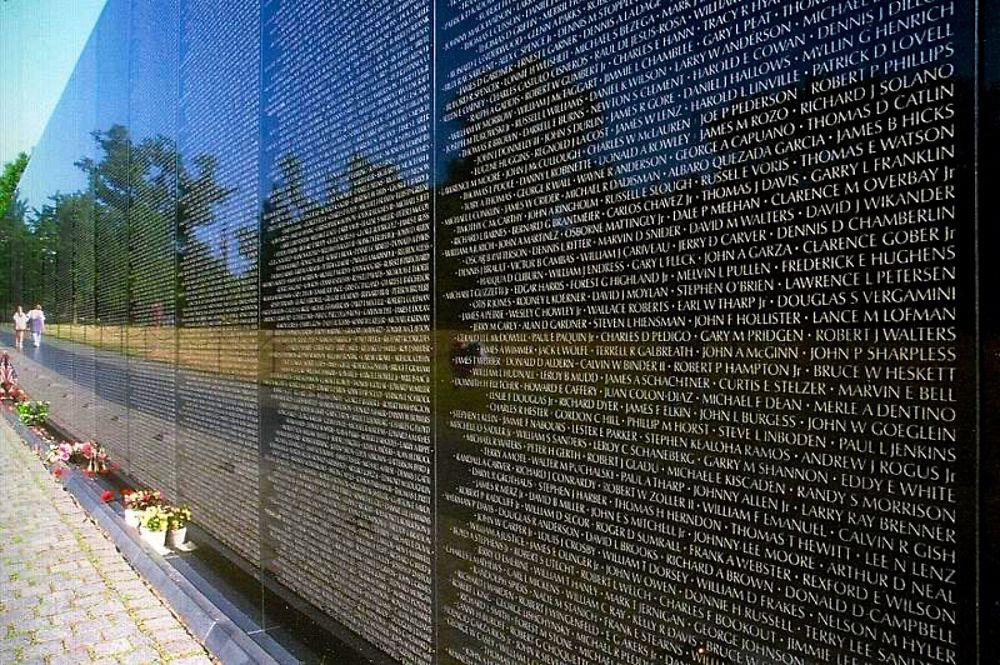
[109, 174]
[217, 282]
[57, 270]
[345, 296]
[153, 164]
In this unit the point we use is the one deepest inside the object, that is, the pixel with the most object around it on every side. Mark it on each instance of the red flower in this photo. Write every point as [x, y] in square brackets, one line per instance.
[88, 473]
[58, 472]
[107, 496]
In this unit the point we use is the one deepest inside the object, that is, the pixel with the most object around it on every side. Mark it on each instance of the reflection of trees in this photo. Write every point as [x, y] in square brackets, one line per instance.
[109, 253]
[15, 236]
[360, 254]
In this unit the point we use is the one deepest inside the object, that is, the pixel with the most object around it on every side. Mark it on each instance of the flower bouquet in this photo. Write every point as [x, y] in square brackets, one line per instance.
[94, 455]
[89, 453]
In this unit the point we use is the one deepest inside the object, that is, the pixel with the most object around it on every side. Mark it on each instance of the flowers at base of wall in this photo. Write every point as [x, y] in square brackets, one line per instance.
[178, 518]
[153, 525]
[154, 518]
[87, 453]
[141, 499]
[136, 501]
[33, 412]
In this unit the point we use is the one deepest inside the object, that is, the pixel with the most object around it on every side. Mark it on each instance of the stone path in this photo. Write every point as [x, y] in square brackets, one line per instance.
[67, 596]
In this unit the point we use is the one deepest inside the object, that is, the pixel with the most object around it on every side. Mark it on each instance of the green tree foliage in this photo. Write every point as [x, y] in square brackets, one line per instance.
[111, 253]
[8, 181]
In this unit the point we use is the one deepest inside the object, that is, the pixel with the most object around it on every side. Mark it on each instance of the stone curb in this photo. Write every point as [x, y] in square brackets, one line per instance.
[209, 625]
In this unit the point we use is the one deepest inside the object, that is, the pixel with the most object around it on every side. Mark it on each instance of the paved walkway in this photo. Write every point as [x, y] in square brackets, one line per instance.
[67, 596]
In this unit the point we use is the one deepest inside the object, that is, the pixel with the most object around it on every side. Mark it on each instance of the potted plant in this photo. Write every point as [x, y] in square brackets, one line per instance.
[136, 502]
[177, 521]
[154, 526]
[131, 511]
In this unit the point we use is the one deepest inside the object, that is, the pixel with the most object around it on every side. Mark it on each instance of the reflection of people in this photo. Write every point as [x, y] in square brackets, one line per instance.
[20, 325]
[37, 320]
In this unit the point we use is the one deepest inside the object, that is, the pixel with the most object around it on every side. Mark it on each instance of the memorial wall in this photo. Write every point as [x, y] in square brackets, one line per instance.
[606, 332]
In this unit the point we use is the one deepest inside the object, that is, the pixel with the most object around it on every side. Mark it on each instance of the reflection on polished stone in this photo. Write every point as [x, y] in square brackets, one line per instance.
[539, 332]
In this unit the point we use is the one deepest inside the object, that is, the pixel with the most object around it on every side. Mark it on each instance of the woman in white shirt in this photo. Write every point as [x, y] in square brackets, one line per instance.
[20, 325]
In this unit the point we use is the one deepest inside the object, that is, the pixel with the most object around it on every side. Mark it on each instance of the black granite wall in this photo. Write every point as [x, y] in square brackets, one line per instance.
[547, 332]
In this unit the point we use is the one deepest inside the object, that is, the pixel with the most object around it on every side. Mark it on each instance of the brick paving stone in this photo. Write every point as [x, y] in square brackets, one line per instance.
[87, 633]
[90, 589]
[84, 602]
[150, 613]
[71, 616]
[109, 647]
[51, 634]
[8, 645]
[173, 635]
[71, 656]
[67, 596]
[143, 657]
[30, 587]
[140, 602]
[126, 628]
[183, 647]
[38, 651]
[193, 660]
[83, 640]
[115, 607]
[159, 623]
[66, 567]
[39, 623]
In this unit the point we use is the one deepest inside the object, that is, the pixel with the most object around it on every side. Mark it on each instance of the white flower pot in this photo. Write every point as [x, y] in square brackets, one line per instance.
[154, 538]
[177, 537]
[132, 517]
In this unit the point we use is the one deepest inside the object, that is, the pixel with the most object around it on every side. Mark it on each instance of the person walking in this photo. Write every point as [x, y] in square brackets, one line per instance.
[37, 319]
[20, 325]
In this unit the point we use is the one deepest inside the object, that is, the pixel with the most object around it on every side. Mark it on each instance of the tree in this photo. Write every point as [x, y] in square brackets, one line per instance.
[8, 181]
[128, 248]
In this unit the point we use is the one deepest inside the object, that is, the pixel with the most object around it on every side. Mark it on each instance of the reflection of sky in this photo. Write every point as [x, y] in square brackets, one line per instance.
[66, 137]
[218, 114]
[95, 98]
[340, 78]
[153, 70]
[344, 79]
[529, 29]
[40, 42]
